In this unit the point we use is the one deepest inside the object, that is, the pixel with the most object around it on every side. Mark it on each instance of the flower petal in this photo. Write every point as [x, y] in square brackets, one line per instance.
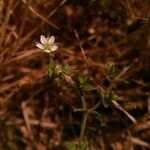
[55, 47]
[39, 45]
[51, 40]
[43, 39]
[47, 50]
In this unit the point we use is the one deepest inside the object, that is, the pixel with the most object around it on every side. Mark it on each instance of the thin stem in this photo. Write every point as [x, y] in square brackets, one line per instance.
[51, 60]
[83, 125]
[94, 107]
[84, 120]
[83, 102]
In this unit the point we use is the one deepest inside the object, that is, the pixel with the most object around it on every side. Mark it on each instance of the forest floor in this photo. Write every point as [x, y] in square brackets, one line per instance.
[36, 113]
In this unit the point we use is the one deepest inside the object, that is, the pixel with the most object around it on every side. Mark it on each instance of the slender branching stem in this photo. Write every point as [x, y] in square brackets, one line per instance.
[84, 120]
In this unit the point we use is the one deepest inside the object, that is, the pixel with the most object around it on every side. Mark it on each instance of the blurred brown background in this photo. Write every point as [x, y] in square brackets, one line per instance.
[37, 114]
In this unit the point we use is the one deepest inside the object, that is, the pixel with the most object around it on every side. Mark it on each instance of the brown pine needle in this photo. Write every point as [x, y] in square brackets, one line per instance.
[40, 16]
[80, 45]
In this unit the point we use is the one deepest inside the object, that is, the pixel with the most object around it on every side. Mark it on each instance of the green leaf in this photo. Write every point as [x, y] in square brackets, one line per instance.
[111, 70]
[70, 145]
[101, 92]
[97, 115]
[67, 70]
[85, 145]
[84, 83]
[105, 103]
[88, 87]
[112, 96]
[122, 81]
[109, 98]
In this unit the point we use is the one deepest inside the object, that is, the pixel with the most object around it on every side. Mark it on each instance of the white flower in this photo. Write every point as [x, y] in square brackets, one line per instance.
[47, 44]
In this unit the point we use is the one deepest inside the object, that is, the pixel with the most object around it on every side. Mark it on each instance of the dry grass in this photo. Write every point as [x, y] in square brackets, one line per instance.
[37, 114]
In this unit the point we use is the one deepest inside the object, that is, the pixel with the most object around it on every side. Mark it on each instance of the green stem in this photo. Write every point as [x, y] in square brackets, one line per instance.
[51, 60]
[83, 125]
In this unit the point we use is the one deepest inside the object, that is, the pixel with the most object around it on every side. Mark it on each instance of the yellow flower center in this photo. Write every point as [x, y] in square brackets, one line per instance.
[47, 46]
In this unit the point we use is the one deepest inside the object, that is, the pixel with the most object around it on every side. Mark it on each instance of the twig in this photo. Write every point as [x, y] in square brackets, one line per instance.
[26, 119]
[55, 10]
[80, 45]
[39, 15]
[139, 142]
[124, 111]
[7, 17]
[43, 124]
[148, 104]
